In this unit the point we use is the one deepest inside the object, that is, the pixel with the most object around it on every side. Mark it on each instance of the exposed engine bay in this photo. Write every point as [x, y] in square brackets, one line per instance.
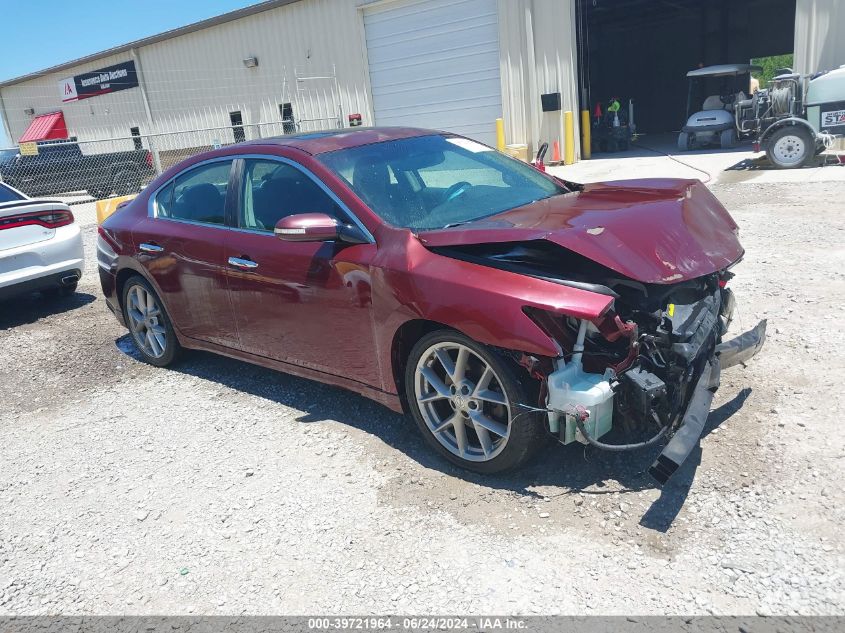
[651, 362]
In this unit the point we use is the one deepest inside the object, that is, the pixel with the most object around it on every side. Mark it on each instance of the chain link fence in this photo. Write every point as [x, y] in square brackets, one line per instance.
[79, 171]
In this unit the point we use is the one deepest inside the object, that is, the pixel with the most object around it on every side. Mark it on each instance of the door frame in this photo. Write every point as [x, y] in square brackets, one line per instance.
[236, 180]
[227, 209]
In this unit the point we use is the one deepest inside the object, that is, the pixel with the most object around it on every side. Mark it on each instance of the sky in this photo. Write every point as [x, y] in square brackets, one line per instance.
[37, 34]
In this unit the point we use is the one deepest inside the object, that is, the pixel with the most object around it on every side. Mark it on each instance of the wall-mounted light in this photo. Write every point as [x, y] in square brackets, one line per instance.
[251, 62]
[29, 111]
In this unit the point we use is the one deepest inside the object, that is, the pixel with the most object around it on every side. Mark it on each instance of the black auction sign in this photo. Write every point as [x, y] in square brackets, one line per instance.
[99, 82]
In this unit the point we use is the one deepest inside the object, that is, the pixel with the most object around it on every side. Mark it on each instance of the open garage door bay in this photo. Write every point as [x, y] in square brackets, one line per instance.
[436, 65]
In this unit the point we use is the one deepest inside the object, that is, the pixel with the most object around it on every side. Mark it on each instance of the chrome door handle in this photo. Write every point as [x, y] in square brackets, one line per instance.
[150, 248]
[243, 264]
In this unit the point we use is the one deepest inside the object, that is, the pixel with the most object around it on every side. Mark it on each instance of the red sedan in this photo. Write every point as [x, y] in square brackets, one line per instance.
[496, 304]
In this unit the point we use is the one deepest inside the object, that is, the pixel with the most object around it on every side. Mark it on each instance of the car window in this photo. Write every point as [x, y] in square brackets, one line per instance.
[7, 195]
[164, 201]
[273, 190]
[430, 182]
[198, 195]
[459, 168]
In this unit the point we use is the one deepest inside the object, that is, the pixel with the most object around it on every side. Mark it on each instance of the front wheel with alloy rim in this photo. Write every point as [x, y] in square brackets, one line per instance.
[467, 401]
[791, 147]
[148, 323]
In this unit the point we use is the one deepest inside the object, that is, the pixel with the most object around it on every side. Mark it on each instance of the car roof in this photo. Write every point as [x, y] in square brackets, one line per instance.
[723, 70]
[332, 140]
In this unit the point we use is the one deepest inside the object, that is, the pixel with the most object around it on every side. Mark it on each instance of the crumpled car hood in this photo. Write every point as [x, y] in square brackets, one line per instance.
[654, 231]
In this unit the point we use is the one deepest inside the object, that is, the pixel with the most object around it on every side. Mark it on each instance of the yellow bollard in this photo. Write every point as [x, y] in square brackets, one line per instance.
[500, 135]
[568, 138]
[586, 150]
[108, 206]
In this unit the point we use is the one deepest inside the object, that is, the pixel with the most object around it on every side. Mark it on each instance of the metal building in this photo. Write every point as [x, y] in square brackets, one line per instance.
[819, 35]
[310, 64]
[286, 65]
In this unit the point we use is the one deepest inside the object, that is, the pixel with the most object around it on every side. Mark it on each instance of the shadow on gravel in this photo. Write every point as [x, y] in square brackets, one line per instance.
[33, 307]
[762, 163]
[666, 507]
[572, 468]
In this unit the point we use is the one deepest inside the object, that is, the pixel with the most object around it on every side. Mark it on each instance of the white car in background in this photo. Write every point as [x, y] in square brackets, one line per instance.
[40, 246]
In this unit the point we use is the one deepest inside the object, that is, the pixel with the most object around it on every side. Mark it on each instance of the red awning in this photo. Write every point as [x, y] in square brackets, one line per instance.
[45, 127]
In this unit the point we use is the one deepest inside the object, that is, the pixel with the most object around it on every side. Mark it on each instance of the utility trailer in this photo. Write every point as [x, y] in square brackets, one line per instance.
[796, 117]
[793, 119]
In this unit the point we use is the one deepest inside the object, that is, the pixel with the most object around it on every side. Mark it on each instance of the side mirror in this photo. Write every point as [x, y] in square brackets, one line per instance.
[307, 227]
[318, 227]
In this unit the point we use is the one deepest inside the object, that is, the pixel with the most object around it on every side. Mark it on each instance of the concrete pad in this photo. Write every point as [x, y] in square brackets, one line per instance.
[657, 156]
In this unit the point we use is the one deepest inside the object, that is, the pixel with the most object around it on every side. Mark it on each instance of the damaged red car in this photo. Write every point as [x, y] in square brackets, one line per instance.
[495, 304]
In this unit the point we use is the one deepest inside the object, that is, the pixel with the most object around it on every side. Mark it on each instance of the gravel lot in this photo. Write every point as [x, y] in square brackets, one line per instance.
[218, 487]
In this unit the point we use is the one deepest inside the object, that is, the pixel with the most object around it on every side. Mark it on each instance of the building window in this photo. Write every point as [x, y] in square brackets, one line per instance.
[286, 112]
[237, 126]
[136, 137]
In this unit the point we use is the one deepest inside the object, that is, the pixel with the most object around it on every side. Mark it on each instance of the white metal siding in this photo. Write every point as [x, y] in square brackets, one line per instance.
[194, 80]
[819, 35]
[465, 62]
[105, 116]
[435, 64]
[538, 56]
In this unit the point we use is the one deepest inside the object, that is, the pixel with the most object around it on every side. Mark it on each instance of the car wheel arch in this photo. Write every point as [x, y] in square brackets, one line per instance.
[404, 339]
[407, 335]
[125, 274]
[796, 122]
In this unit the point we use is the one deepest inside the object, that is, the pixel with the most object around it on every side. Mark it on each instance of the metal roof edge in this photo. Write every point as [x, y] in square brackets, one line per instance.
[252, 9]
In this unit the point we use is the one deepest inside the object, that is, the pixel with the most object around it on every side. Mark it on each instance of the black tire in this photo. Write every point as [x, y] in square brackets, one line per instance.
[686, 141]
[172, 349]
[527, 433]
[790, 156]
[727, 139]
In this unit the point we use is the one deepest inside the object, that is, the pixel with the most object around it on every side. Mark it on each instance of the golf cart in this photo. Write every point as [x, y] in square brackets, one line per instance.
[716, 123]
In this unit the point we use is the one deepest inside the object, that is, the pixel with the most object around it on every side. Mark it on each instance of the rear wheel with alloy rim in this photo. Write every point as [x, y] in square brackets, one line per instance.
[466, 399]
[148, 323]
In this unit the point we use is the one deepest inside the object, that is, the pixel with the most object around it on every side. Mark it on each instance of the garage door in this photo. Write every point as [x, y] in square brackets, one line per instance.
[435, 64]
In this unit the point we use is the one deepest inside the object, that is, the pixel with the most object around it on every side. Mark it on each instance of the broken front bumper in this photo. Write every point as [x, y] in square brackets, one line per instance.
[743, 347]
[727, 354]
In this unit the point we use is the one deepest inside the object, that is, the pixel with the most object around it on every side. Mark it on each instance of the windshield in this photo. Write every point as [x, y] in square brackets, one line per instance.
[430, 182]
[8, 195]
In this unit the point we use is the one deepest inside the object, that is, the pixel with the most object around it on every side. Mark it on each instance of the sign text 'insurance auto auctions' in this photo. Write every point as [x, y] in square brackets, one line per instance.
[99, 82]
